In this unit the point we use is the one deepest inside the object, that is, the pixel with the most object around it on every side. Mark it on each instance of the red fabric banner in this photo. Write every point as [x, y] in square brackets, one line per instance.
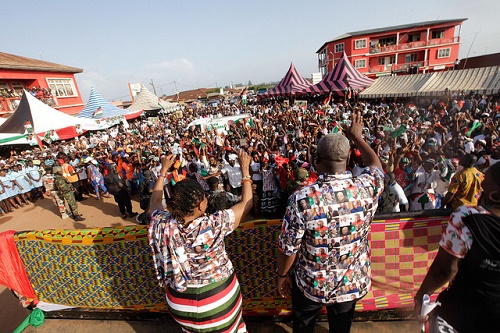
[12, 272]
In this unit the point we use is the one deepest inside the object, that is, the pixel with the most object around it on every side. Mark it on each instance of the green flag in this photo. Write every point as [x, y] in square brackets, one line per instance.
[387, 129]
[399, 131]
[475, 125]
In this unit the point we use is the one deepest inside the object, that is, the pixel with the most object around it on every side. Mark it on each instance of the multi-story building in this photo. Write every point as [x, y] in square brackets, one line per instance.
[409, 48]
[52, 83]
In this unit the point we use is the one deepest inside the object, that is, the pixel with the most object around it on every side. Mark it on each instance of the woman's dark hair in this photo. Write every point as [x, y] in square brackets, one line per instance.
[187, 194]
[468, 161]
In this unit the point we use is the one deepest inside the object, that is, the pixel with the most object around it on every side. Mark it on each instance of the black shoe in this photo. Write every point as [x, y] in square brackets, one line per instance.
[79, 218]
[124, 216]
[133, 214]
[143, 218]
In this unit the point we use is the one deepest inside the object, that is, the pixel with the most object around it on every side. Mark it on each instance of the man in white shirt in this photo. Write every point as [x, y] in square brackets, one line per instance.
[232, 172]
[401, 198]
[423, 194]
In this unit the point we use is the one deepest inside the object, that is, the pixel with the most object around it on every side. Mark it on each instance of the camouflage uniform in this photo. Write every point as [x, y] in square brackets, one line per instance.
[65, 190]
[48, 182]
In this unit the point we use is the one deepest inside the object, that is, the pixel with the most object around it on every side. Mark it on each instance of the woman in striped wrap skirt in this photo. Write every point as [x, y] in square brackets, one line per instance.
[203, 293]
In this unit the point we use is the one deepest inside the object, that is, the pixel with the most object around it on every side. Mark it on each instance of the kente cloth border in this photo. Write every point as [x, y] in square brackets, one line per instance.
[113, 268]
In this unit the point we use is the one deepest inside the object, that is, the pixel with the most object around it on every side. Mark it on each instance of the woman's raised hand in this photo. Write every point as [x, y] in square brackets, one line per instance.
[244, 159]
[166, 163]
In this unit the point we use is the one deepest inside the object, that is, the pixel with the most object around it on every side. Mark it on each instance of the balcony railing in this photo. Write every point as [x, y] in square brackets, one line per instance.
[10, 103]
[323, 62]
[413, 45]
[396, 67]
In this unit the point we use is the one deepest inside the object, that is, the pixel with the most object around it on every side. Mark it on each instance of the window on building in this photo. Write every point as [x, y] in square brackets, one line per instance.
[444, 53]
[4, 85]
[387, 41]
[360, 43]
[62, 87]
[386, 60]
[17, 87]
[339, 47]
[412, 57]
[437, 34]
[413, 38]
[360, 63]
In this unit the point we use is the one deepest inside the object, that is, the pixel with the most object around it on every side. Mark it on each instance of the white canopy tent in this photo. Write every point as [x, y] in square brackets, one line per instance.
[33, 116]
[147, 101]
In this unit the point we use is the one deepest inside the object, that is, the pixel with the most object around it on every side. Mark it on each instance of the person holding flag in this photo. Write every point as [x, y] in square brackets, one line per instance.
[326, 102]
[243, 96]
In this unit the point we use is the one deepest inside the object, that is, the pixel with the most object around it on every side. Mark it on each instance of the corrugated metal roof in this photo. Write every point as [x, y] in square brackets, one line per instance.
[485, 80]
[11, 61]
[492, 83]
[391, 28]
[395, 86]
[200, 93]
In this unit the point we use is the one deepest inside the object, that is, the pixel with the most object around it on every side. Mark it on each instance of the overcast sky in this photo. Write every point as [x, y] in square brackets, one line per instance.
[209, 43]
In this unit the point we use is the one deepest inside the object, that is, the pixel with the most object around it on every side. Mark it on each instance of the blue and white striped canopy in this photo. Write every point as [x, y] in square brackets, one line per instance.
[98, 108]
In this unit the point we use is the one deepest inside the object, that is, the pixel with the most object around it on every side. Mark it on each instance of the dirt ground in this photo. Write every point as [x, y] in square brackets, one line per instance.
[104, 213]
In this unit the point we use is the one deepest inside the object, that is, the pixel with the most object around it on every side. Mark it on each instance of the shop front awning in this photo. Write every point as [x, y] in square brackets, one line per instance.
[484, 80]
[395, 86]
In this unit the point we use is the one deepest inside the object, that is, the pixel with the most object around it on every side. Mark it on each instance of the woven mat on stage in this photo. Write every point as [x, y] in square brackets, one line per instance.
[113, 268]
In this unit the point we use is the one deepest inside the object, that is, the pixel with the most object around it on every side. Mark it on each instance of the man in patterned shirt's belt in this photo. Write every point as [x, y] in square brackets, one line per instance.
[325, 233]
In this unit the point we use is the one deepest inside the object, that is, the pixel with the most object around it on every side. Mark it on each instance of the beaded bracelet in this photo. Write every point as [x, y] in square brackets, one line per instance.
[247, 180]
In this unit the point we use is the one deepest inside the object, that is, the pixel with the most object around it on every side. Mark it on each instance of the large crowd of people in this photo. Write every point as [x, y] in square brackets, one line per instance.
[420, 146]
[325, 169]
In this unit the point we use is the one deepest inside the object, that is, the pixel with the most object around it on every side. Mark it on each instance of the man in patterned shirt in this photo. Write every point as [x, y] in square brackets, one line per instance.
[345, 276]
[465, 186]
